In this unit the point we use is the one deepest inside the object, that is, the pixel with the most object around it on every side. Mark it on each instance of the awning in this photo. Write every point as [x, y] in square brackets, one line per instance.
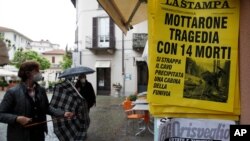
[102, 64]
[125, 13]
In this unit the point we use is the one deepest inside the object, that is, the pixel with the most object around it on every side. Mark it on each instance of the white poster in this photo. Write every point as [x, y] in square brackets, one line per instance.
[183, 129]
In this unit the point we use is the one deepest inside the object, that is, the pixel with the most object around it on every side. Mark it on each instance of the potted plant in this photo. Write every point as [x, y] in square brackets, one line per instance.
[117, 86]
[132, 97]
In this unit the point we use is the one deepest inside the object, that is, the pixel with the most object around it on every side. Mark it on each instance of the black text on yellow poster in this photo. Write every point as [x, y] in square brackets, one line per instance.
[192, 50]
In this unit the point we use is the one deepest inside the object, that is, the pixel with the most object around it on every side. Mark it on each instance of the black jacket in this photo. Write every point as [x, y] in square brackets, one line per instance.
[16, 102]
[87, 92]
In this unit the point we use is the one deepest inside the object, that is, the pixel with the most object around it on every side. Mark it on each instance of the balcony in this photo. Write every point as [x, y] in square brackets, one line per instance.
[139, 41]
[100, 44]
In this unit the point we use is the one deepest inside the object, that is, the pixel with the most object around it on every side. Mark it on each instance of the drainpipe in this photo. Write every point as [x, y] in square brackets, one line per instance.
[123, 68]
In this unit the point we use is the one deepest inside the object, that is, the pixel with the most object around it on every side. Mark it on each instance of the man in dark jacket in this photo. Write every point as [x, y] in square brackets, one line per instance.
[27, 103]
[85, 88]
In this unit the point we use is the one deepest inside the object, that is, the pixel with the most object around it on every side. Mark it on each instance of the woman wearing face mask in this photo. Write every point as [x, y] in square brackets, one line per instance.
[85, 88]
[27, 103]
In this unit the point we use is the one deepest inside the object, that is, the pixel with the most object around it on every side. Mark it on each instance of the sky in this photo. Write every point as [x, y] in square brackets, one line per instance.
[53, 20]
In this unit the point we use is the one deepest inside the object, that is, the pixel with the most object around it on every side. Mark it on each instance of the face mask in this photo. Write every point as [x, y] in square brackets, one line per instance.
[83, 80]
[37, 77]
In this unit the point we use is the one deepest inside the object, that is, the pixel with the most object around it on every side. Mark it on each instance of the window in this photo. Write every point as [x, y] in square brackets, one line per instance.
[103, 32]
[14, 47]
[76, 35]
[14, 37]
[53, 59]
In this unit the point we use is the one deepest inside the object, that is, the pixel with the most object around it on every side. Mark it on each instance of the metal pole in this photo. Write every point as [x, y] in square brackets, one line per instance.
[123, 68]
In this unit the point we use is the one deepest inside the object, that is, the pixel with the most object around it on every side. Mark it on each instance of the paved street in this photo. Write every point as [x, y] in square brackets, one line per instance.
[107, 123]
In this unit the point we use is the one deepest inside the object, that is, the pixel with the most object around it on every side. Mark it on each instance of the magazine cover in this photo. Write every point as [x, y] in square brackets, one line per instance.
[193, 49]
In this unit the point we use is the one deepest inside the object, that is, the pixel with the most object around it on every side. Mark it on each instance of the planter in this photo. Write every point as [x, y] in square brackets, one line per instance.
[117, 87]
[117, 90]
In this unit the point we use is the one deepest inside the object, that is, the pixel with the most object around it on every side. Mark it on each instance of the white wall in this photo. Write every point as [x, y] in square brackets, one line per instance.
[88, 9]
[43, 46]
[20, 42]
[50, 75]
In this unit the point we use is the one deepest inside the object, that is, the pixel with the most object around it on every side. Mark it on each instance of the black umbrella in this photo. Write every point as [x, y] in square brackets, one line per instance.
[71, 72]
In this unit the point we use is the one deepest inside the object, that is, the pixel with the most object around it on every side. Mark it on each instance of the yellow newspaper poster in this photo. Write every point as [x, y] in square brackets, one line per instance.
[193, 49]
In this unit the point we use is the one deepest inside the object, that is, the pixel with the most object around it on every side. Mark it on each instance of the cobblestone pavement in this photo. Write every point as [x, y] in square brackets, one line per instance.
[108, 123]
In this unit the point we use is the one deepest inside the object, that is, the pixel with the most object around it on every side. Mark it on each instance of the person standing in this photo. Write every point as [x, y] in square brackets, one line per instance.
[27, 103]
[85, 88]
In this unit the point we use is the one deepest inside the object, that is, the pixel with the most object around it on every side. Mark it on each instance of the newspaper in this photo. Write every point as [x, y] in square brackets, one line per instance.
[184, 129]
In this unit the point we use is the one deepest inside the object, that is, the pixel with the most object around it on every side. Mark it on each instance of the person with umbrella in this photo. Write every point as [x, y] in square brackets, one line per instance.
[67, 97]
[86, 90]
[26, 104]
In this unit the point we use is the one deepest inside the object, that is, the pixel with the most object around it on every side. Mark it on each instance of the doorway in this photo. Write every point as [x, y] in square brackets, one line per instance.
[142, 76]
[103, 81]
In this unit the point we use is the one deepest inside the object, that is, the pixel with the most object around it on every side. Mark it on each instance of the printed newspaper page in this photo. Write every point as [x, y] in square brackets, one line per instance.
[161, 109]
[192, 129]
[193, 49]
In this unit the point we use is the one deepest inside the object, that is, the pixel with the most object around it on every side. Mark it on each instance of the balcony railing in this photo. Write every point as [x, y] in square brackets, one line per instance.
[139, 40]
[100, 42]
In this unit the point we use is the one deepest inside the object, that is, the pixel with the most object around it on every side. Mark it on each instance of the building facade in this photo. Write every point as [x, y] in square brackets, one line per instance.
[14, 40]
[43, 46]
[55, 57]
[116, 57]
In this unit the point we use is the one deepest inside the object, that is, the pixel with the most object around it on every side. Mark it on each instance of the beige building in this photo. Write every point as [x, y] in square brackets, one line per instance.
[55, 57]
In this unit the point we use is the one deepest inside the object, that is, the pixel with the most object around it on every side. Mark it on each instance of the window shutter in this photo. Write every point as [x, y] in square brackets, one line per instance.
[95, 32]
[53, 59]
[111, 33]
[76, 35]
